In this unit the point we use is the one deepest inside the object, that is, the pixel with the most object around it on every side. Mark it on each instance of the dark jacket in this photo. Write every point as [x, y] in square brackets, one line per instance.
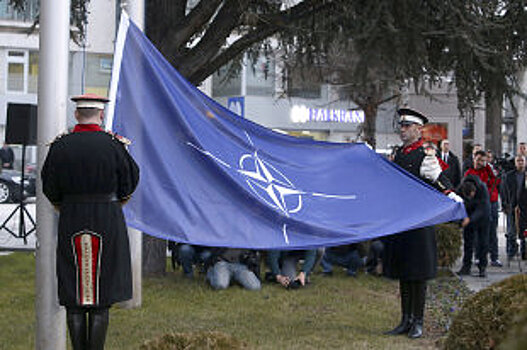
[478, 208]
[87, 175]
[509, 190]
[412, 255]
[522, 204]
[453, 172]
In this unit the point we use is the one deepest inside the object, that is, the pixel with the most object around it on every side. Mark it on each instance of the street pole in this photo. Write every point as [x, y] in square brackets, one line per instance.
[136, 11]
[52, 97]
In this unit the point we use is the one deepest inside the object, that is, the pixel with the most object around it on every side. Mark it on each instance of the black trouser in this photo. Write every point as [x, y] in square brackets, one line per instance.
[413, 297]
[471, 232]
[512, 245]
[87, 327]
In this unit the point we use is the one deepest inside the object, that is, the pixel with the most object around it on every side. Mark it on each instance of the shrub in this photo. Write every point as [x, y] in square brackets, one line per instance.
[517, 337]
[194, 341]
[485, 318]
[449, 242]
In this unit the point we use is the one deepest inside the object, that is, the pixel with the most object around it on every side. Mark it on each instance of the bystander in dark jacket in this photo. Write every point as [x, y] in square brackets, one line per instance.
[512, 183]
[477, 203]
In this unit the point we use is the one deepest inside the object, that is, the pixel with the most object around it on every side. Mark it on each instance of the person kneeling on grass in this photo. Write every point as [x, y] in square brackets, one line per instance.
[346, 256]
[240, 265]
[283, 266]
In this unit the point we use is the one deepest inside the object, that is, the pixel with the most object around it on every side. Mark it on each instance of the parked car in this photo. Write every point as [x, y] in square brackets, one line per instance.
[10, 182]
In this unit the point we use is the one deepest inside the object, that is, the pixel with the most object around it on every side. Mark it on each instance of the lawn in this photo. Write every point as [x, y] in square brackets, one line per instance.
[337, 312]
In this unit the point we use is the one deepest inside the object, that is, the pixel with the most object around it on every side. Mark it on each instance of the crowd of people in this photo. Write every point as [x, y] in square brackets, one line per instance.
[489, 183]
[291, 269]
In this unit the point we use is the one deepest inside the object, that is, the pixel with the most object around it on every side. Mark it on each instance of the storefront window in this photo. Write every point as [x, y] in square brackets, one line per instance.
[226, 82]
[304, 82]
[261, 77]
[435, 132]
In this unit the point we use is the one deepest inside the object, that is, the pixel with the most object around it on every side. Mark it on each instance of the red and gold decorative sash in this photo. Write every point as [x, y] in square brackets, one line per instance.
[87, 247]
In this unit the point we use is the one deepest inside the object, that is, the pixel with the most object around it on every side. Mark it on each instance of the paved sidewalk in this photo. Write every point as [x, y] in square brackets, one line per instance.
[495, 274]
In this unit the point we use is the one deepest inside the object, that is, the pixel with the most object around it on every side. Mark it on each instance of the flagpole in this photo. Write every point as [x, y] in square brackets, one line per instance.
[136, 9]
[52, 97]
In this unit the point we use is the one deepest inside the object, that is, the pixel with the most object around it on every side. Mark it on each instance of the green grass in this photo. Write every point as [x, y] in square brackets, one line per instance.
[331, 313]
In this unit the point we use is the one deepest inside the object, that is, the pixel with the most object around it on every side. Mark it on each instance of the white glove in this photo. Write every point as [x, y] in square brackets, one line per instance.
[430, 168]
[455, 197]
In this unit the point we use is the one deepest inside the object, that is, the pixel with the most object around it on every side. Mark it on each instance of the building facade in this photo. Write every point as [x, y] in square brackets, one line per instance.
[89, 68]
[261, 94]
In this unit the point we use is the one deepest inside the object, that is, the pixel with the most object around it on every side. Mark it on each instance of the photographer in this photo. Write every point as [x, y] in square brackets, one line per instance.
[476, 227]
[283, 266]
[241, 265]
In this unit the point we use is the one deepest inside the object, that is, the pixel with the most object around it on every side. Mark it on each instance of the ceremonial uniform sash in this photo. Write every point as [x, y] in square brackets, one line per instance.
[87, 247]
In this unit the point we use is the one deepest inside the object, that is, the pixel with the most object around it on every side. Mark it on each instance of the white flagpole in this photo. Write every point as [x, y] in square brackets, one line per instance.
[136, 9]
[52, 102]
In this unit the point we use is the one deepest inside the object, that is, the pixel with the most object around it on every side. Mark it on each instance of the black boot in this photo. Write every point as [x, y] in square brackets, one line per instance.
[464, 271]
[418, 298]
[416, 331]
[404, 326]
[98, 325]
[76, 319]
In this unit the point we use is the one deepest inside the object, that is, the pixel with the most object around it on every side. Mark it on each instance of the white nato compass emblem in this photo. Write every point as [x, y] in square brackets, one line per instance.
[269, 184]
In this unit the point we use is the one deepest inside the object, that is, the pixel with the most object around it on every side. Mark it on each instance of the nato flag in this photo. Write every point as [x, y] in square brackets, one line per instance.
[209, 177]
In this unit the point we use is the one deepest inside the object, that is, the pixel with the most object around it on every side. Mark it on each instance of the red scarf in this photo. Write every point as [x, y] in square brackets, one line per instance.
[87, 127]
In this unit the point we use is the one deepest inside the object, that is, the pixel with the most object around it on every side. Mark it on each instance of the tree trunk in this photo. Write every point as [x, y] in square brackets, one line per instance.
[493, 119]
[369, 125]
[159, 17]
[154, 255]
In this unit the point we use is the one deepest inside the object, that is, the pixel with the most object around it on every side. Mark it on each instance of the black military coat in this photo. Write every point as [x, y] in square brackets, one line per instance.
[412, 255]
[88, 175]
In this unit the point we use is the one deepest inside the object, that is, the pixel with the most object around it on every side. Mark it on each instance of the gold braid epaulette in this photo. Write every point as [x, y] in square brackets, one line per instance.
[58, 137]
[119, 138]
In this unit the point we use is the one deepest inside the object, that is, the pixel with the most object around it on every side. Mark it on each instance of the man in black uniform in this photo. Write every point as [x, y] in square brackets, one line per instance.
[88, 175]
[411, 256]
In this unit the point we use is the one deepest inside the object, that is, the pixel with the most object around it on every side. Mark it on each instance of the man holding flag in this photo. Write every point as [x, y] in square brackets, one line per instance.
[411, 256]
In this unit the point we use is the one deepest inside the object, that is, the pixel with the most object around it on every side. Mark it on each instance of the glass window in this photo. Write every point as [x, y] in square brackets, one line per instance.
[15, 77]
[226, 82]
[32, 78]
[16, 71]
[22, 71]
[28, 14]
[16, 54]
[98, 73]
[261, 77]
[304, 82]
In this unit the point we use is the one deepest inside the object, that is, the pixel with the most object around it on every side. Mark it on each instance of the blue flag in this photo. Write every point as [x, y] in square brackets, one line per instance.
[209, 177]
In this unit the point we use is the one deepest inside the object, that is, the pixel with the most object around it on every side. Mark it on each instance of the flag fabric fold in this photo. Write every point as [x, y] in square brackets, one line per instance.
[209, 177]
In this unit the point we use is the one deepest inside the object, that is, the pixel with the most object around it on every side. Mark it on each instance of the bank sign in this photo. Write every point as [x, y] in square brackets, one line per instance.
[303, 114]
